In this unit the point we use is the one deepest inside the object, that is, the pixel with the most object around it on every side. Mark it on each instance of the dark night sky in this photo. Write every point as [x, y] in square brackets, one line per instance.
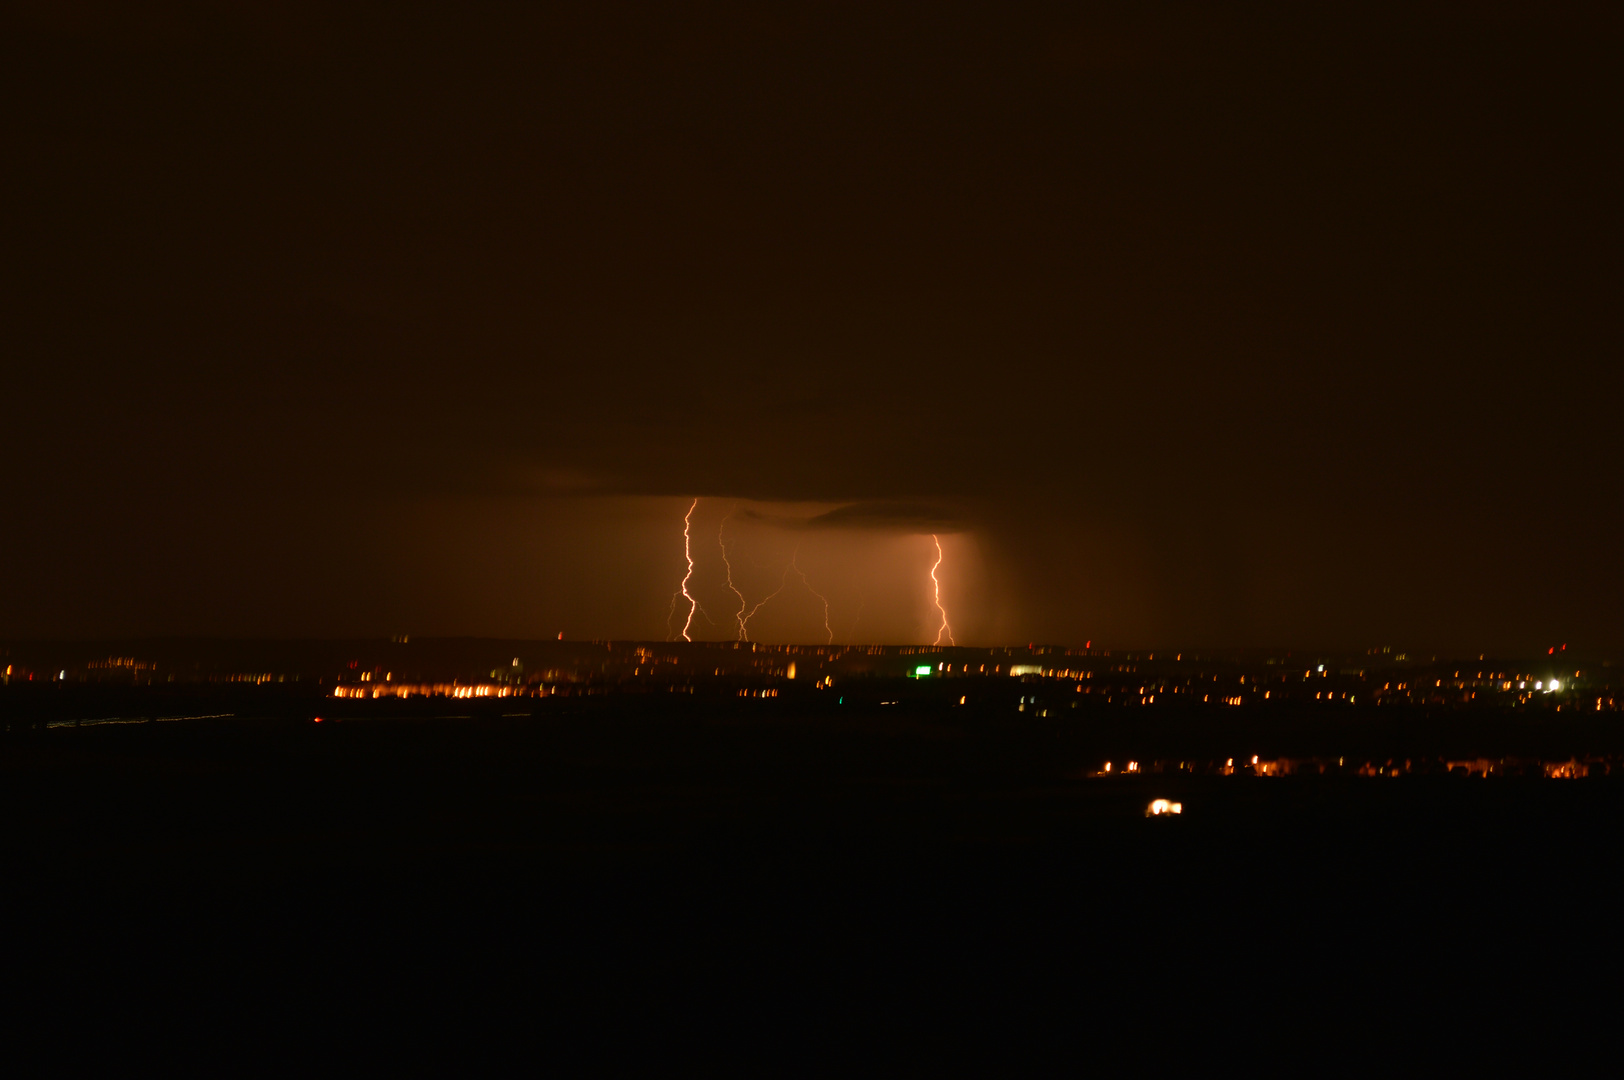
[1189, 324]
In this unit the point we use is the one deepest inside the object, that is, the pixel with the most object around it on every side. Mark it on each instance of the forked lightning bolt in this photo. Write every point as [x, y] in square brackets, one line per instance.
[738, 615]
[937, 584]
[815, 593]
[744, 623]
[743, 617]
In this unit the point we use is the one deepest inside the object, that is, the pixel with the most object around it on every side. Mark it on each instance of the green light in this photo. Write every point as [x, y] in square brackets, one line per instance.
[922, 669]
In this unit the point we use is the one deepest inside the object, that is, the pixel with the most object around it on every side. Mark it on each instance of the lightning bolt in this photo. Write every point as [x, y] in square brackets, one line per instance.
[739, 615]
[937, 584]
[796, 566]
[688, 553]
[744, 623]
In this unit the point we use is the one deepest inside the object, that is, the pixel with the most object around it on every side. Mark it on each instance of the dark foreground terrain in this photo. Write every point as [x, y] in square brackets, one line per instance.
[596, 883]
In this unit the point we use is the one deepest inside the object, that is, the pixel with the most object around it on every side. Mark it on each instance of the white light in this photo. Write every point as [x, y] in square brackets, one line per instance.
[1320, 668]
[1158, 807]
[1539, 686]
[1553, 685]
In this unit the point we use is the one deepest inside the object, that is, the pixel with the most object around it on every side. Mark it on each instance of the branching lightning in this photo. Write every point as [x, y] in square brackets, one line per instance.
[937, 584]
[744, 623]
[796, 566]
[743, 617]
[747, 611]
[738, 615]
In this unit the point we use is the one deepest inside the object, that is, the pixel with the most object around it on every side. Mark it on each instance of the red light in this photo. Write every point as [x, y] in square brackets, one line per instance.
[1551, 651]
[318, 719]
